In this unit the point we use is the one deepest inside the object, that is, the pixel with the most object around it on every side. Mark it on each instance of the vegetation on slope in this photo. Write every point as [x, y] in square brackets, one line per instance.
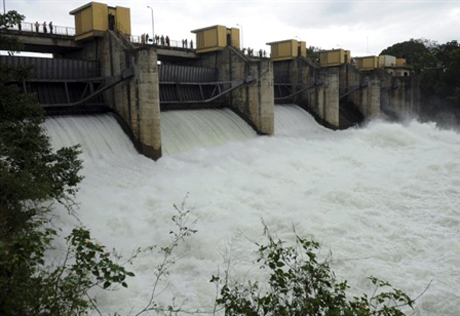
[439, 66]
[33, 177]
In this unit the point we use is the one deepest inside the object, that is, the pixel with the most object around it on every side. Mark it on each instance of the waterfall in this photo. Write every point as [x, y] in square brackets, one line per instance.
[382, 200]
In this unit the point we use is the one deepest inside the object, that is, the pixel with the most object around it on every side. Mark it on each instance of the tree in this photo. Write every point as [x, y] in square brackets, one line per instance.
[438, 66]
[412, 50]
[7, 20]
[32, 178]
[313, 53]
[447, 70]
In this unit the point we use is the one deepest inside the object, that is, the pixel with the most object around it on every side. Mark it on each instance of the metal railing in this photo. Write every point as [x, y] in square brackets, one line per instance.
[30, 27]
[172, 43]
[255, 53]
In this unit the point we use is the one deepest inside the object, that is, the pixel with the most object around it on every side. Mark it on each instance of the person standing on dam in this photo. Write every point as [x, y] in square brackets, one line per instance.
[37, 25]
[51, 27]
[44, 27]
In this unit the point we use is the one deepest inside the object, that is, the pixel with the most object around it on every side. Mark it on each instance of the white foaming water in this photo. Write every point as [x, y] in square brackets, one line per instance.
[184, 130]
[292, 121]
[383, 199]
[86, 131]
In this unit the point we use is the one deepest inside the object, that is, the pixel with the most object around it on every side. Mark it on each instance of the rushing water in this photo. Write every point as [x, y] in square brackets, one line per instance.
[383, 200]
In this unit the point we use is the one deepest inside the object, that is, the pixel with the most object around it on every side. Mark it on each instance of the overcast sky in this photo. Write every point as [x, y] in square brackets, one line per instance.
[365, 27]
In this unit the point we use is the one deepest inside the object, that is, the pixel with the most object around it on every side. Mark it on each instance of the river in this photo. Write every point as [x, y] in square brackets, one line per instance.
[383, 200]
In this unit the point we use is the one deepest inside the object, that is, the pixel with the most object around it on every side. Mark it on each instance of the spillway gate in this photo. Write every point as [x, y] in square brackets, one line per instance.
[193, 87]
[65, 85]
[286, 91]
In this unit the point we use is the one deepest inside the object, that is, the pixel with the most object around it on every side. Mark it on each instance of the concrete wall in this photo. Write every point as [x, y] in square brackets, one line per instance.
[254, 102]
[367, 98]
[394, 96]
[135, 100]
[378, 90]
[321, 100]
[400, 96]
[330, 91]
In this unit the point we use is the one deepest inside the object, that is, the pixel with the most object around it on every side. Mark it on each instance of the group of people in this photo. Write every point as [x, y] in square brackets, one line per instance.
[45, 29]
[185, 43]
[158, 40]
[261, 53]
[163, 41]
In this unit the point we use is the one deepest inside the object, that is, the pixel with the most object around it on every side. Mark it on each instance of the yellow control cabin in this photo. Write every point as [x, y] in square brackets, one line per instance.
[401, 62]
[334, 57]
[94, 19]
[288, 49]
[367, 63]
[394, 66]
[387, 61]
[214, 38]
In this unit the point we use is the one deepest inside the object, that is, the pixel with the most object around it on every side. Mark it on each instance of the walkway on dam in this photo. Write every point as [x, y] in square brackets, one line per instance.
[60, 39]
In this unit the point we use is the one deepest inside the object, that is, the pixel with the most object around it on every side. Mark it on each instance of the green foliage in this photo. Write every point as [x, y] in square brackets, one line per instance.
[442, 78]
[92, 258]
[32, 178]
[313, 53]
[300, 285]
[412, 50]
[86, 265]
[438, 66]
[7, 20]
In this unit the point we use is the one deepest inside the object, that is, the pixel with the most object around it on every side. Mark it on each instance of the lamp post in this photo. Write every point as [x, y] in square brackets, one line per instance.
[153, 33]
[242, 46]
[4, 8]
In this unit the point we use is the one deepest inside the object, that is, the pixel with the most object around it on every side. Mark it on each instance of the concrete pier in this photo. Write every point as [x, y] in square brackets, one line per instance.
[135, 100]
[254, 101]
[318, 88]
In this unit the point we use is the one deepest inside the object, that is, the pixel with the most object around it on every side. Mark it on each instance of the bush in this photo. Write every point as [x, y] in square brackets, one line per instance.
[300, 285]
[32, 178]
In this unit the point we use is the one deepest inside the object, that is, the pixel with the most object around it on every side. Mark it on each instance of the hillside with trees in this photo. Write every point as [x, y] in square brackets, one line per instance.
[438, 66]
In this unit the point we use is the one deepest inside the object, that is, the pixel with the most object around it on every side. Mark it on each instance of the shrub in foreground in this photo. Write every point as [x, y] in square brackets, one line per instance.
[300, 285]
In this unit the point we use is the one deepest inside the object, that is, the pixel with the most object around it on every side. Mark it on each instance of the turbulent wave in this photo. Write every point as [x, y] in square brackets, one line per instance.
[98, 135]
[292, 121]
[383, 199]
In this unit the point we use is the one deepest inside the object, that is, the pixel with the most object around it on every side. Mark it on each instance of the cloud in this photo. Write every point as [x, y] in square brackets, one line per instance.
[362, 26]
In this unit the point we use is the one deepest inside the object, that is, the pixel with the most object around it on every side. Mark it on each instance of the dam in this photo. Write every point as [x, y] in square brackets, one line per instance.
[98, 66]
